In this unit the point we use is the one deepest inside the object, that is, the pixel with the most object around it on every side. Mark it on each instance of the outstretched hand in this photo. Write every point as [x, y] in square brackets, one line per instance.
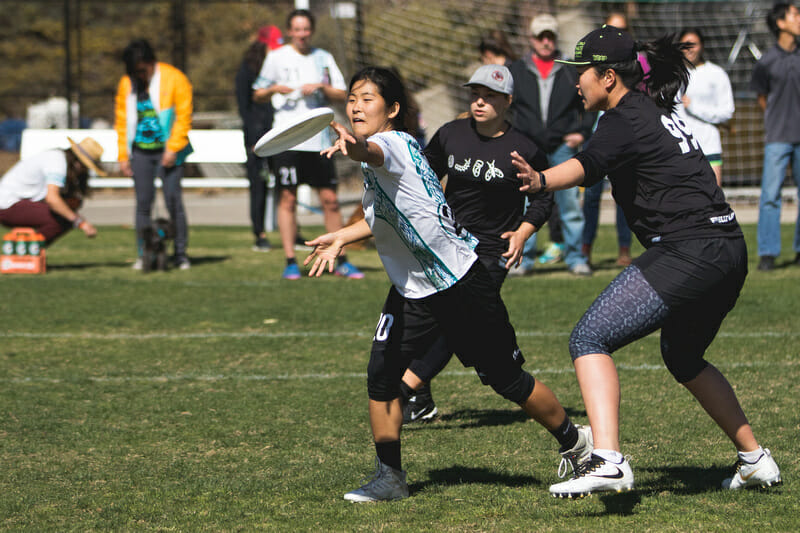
[326, 249]
[525, 172]
[340, 144]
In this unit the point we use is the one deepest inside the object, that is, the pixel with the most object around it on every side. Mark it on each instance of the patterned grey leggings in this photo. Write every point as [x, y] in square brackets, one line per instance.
[627, 310]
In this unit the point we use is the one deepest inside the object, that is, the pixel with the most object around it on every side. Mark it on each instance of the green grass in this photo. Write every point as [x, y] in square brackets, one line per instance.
[223, 398]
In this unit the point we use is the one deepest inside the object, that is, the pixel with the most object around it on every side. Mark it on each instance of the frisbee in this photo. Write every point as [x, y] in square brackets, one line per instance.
[288, 136]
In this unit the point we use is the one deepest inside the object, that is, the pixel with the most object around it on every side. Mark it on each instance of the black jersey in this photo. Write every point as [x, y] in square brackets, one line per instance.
[658, 173]
[482, 184]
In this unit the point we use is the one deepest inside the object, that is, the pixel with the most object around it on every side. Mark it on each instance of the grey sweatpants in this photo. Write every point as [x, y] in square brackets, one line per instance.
[146, 166]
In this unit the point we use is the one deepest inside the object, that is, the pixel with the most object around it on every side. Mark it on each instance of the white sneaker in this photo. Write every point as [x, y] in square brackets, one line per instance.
[387, 484]
[763, 473]
[577, 455]
[138, 264]
[596, 475]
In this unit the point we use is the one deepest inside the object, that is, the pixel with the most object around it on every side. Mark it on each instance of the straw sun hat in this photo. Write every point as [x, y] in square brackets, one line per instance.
[89, 152]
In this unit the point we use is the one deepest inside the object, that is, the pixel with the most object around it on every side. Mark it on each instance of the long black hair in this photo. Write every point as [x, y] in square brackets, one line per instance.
[390, 87]
[668, 70]
[701, 40]
[76, 184]
[137, 51]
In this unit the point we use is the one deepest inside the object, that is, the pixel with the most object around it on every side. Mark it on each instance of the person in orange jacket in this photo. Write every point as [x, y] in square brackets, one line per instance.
[153, 112]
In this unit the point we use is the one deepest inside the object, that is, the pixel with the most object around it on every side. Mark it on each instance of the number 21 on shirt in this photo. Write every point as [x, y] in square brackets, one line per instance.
[678, 129]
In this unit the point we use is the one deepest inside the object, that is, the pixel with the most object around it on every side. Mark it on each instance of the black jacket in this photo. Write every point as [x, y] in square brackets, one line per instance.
[565, 112]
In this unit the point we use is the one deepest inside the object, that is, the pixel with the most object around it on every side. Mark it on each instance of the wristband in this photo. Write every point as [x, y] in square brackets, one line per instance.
[77, 222]
[542, 181]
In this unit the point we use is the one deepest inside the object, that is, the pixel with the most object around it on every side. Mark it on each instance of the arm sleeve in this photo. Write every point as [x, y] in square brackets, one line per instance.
[179, 136]
[611, 145]
[434, 153]
[540, 204]
[393, 163]
[243, 91]
[337, 79]
[720, 109]
[121, 118]
[760, 80]
[266, 76]
[54, 168]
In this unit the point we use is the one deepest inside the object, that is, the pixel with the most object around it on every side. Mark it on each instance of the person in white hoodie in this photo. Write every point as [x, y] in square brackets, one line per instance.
[708, 99]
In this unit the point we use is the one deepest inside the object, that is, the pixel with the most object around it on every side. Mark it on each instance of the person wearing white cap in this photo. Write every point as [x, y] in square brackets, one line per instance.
[547, 108]
[45, 192]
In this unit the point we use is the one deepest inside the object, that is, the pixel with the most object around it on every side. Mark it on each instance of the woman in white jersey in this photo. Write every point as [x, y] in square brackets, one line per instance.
[708, 99]
[438, 286]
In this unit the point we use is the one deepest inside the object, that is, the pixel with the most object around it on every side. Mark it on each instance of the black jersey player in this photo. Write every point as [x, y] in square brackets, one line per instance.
[694, 265]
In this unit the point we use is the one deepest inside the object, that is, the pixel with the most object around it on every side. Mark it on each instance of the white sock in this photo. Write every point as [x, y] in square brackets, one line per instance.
[611, 456]
[751, 457]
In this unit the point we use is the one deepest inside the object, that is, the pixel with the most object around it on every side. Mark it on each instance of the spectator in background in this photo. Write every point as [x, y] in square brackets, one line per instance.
[776, 80]
[707, 100]
[256, 120]
[548, 109]
[153, 116]
[592, 195]
[297, 78]
[46, 191]
[495, 49]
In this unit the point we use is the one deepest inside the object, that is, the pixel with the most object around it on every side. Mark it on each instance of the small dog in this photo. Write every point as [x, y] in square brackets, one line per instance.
[156, 237]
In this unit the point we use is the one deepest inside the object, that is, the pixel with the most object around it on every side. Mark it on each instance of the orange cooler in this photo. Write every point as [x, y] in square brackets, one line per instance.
[23, 252]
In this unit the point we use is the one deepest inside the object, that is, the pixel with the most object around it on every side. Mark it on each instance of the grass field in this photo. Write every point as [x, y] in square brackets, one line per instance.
[225, 399]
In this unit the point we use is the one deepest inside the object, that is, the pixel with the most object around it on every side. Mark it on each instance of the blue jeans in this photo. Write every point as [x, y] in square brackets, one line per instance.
[591, 215]
[569, 207]
[776, 159]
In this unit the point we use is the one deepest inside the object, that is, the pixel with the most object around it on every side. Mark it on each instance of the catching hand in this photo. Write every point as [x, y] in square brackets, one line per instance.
[326, 249]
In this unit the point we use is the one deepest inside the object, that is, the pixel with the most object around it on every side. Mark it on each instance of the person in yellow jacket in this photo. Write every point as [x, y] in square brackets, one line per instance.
[153, 116]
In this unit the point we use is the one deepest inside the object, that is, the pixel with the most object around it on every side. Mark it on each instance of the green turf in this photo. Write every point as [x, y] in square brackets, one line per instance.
[223, 398]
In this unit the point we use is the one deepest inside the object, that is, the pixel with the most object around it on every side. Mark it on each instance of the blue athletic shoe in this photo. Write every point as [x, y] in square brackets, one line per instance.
[291, 271]
[348, 270]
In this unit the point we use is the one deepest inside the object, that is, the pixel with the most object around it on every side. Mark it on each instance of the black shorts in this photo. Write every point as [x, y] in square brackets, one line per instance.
[471, 316]
[294, 168]
[685, 288]
[696, 272]
[699, 281]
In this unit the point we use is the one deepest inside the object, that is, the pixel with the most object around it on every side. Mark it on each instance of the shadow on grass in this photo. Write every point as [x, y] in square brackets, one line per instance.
[686, 480]
[471, 418]
[84, 266]
[207, 259]
[465, 475]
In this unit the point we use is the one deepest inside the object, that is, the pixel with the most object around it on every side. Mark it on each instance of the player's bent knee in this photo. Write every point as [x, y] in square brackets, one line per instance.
[517, 390]
[684, 369]
[382, 390]
[584, 343]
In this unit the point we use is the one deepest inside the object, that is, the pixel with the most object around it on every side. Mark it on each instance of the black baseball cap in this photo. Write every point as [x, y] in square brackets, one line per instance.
[608, 44]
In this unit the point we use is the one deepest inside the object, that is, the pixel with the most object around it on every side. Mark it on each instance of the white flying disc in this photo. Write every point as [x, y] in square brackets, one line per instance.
[288, 136]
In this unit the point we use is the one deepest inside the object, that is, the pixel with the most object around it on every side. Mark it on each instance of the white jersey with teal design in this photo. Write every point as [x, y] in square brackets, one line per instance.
[422, 248]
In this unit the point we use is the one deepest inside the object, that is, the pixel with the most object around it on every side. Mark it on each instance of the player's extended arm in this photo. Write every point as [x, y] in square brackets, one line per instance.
[328, 247]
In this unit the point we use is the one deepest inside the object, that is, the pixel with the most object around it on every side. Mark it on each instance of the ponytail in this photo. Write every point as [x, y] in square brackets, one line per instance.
[669, 72]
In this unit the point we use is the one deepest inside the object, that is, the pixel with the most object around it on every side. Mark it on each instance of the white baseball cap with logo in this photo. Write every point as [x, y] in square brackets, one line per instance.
[495, 77]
